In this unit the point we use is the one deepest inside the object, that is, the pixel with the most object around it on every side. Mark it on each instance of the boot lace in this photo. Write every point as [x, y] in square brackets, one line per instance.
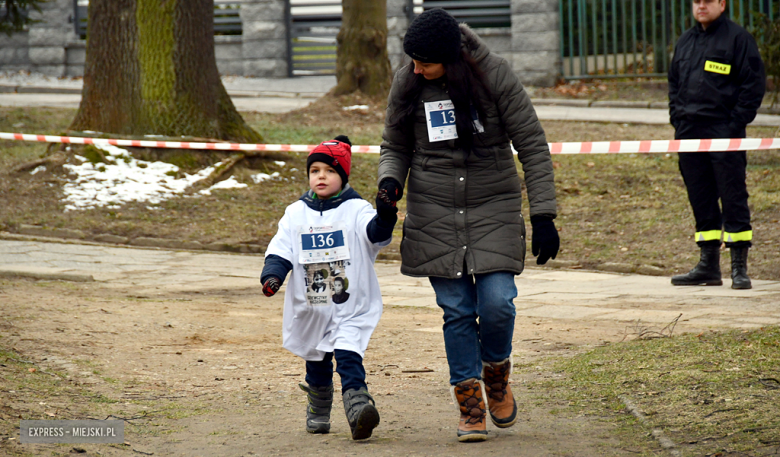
[469, 399]
[496, 380]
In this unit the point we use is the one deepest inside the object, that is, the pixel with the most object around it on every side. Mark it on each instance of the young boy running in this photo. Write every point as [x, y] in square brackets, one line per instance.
[329, 239]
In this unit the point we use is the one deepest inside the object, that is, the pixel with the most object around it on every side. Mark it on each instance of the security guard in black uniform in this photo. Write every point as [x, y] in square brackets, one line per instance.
[716, 84]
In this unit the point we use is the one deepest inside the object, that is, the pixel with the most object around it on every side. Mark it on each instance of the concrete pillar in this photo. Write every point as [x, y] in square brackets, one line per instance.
[264, 46]
[536, 41]
[49, 38]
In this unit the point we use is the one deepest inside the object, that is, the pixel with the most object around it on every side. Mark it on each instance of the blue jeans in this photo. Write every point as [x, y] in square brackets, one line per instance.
[349, 365]
[469, 341]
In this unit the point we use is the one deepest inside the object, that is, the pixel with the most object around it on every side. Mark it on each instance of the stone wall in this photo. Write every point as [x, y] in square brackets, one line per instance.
[51, 47]
[42, 48]
[14, 52]
[531, 45]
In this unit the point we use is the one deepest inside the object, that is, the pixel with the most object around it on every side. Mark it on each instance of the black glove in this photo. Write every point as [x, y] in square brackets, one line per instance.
[393, 188]
[385, 207]
[546, 242]
[271, 286]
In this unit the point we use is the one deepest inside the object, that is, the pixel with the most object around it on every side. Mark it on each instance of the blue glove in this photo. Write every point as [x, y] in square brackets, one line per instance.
[545, 242]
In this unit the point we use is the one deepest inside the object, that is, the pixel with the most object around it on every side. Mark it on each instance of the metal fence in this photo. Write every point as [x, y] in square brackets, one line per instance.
[633, 38]
[475, 13]
[312, 27]
[227, 19]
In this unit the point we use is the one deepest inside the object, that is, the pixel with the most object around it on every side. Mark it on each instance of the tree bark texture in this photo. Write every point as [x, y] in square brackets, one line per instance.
[361, 60]
[151, 69]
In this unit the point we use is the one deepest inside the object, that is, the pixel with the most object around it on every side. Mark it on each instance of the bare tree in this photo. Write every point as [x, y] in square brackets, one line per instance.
[151, 69]
[361, 61]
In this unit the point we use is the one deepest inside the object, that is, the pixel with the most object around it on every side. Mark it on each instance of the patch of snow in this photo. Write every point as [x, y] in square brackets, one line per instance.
[354, 107]
[123, 180]
[38, 169]
[260, 177]
[229, 183]
[280, 163]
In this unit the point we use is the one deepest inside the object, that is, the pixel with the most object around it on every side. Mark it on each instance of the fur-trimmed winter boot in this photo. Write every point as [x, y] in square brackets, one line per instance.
[320, 401]
[739, 276]
[501, 403]
[470, 398]
[706, 272]
[362, 414]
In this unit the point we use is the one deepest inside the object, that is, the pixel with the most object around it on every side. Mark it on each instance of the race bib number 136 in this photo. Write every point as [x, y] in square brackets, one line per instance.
[322, 244]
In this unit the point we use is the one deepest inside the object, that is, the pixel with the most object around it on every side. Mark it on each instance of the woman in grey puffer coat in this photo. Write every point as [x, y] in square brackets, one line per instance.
[451, 116]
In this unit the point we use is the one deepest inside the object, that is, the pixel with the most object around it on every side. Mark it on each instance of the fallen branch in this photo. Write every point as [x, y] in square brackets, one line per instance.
[220, 170]
[56, 159]
[128, 420]
[643, 332]
[658, 434]
[720, 411]
[709, 438]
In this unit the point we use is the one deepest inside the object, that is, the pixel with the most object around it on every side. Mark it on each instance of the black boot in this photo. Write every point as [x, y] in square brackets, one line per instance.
[320, 401]
[361, 413]
[739, 277]
[706, 272]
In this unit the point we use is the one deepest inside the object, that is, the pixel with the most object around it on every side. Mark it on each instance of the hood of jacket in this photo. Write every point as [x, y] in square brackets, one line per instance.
[474, 44]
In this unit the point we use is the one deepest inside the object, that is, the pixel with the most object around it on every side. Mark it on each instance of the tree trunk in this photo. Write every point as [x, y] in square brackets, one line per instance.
[361, 60]
[151, 69]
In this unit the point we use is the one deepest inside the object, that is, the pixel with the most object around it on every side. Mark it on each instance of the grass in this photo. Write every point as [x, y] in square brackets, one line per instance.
[709, 393]
[32, 394]
[629, 209]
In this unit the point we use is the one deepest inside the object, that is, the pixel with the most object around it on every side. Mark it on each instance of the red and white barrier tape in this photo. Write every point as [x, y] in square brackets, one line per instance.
[663, 146]
[587, 147]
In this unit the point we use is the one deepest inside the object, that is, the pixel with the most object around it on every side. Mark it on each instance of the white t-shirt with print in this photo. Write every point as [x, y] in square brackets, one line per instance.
[335, 304]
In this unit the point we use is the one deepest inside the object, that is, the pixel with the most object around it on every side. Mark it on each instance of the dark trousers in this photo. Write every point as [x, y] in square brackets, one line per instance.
[349, 365]
[716, 177]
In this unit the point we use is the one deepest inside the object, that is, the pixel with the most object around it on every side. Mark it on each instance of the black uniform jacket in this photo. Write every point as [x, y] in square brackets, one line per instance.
[716, 76]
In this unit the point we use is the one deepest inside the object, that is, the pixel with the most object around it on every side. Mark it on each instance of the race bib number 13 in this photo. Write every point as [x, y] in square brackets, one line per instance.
[441, 120]
[322, 244]
[440, 117]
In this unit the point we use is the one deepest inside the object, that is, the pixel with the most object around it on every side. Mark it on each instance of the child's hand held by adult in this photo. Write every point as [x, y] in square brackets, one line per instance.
[386, 207]
[393, 189]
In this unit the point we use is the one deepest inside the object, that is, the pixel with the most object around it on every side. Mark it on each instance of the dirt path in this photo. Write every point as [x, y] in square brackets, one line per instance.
[206, 375]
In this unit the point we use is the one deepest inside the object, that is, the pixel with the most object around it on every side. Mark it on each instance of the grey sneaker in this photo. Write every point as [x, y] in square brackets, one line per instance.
[362, 415]
[320, 401]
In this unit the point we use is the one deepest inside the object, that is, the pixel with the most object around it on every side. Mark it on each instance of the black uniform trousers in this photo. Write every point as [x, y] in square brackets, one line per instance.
[713, 176]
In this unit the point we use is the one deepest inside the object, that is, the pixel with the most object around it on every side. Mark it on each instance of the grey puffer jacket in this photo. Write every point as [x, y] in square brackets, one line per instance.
[464, 210]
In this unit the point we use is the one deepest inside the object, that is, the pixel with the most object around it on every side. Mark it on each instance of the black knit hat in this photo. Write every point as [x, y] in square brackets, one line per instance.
[336, 153]
[433, 37]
